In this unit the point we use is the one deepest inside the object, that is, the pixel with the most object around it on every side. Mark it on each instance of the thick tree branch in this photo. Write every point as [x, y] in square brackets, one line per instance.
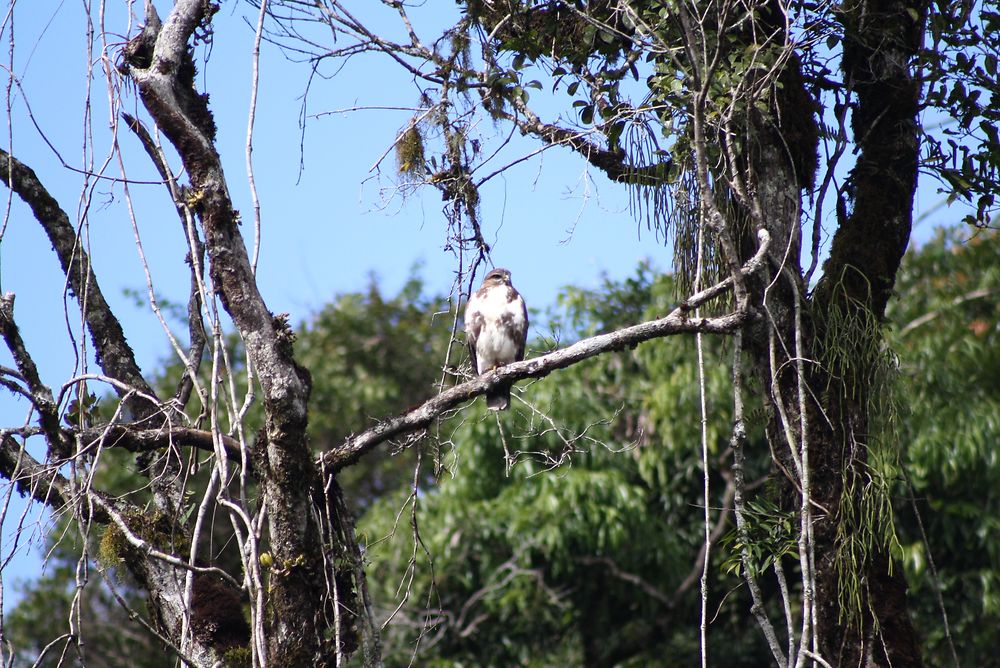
[183, 116]
[29, 476]
[112, 350]
[147, 440]
[677, 322]
[41, 395]
[118, 362]
[882, 38]
[160, 63]
[612, 162]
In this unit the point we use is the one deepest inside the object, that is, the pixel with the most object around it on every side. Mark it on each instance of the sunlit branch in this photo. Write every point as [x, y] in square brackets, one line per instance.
[614, 163]
[678, 321]
[41, 395]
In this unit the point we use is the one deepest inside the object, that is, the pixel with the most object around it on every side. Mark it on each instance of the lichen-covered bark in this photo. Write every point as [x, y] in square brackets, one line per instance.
[678, 321]
[881, 40]
[868, 245]
[111, 349]
[299, 630]
[774, 154]
[164, 582]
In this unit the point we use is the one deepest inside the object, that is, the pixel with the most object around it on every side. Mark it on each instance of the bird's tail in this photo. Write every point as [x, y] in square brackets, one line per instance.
[498, 399]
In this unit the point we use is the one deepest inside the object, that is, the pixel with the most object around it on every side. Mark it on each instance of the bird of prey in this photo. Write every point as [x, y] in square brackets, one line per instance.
[496, 327]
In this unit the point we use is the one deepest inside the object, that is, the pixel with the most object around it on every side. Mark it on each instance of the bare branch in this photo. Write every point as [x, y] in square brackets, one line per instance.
[737, 443]
[196, 260]
[615, 570]
[677, 322]
[113, 351]
[146, 440]
[43, 483]
[957, 301]
[160, 63]
[41, 395]
[614, 163]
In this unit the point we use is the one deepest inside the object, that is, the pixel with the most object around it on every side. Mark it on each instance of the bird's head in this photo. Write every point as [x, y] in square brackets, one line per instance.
[497, 277]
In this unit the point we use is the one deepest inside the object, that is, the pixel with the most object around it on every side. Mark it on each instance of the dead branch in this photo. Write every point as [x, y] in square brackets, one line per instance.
[41, 394]
[159, 61]
[616, 571]
[614, 163]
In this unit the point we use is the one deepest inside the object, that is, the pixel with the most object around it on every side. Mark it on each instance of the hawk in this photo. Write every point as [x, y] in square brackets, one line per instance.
[496, 327]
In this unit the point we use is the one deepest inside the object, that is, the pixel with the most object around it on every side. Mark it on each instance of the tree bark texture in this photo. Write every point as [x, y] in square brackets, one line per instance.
[881, 41]
[164, 582]
[317, 601]
[300, 628]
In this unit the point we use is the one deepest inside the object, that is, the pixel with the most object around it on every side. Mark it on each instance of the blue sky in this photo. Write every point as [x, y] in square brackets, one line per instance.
[551, 221]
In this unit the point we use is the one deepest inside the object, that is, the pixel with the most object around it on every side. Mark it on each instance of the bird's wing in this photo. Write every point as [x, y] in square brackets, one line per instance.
[473, 326]
[520, 329]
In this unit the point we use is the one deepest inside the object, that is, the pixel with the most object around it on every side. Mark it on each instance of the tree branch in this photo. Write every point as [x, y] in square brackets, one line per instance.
[196, 258]
[112, 350]
[615, 570]
[882, 38]
[41, 395]
[29, 476]
[957, 301]
[146, 440]
[677, 322]
[159, 61]
[611, 162]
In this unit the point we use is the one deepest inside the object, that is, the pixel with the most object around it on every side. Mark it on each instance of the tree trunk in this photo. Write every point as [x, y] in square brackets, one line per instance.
[865, 623]
[312, 595]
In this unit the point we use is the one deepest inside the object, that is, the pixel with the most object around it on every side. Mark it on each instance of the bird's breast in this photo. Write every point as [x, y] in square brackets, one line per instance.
[497, 343]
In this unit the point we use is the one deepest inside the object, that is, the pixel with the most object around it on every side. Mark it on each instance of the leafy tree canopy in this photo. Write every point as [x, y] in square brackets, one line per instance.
[946, 331]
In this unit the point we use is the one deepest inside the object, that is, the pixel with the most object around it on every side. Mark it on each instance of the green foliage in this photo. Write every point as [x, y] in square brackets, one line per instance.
[961, 75]
[82, 409]
[770, 534]
[533, 29]
[237, 657]
[861, 392]
[544, 544]
[372, 356]
[410, 152]
[947, 331]
[579, 549]
[43, 614]
[369, 355]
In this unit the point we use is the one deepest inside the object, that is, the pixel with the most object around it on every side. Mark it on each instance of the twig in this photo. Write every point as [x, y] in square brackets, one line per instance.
[957, 301]
[706, 498]
[738, 441]
[251, 117]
